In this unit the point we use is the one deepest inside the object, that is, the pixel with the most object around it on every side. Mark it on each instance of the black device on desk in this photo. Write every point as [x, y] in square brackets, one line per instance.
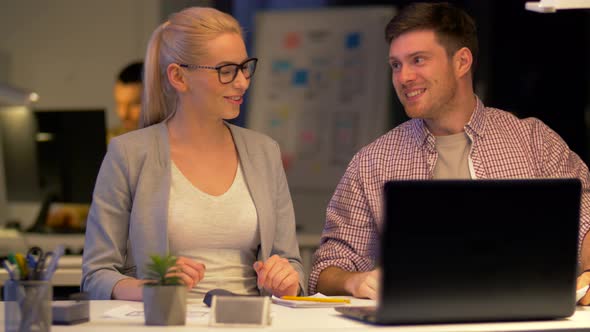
[477, 250]
[208, 299]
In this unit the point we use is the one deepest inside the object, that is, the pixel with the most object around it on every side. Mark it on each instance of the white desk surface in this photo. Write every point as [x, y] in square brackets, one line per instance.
[320, 319]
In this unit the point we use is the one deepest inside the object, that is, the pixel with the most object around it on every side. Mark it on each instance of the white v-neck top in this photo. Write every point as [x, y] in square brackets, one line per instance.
[218, 231]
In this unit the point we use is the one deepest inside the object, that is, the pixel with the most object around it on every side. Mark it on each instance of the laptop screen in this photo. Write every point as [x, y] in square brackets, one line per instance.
[479, 250]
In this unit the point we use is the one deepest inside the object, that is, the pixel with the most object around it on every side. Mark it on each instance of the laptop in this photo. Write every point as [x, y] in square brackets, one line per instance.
[475, 251]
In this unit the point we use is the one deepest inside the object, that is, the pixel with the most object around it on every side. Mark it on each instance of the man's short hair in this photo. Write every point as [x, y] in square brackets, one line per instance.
[453, 27]
[132, 73]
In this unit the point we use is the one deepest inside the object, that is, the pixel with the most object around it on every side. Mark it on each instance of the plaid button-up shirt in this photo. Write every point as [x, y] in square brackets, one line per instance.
[503, 147]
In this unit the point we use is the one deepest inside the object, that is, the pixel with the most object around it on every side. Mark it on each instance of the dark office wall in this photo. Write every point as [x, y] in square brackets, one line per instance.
[539, 67]
[531, 64]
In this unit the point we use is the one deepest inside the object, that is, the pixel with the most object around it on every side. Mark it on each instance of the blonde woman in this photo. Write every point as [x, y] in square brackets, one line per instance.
[189, 183]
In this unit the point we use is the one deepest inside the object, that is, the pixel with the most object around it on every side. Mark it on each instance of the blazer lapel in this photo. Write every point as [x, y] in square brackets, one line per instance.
[255, 182]
[152, 209]
[162, 192]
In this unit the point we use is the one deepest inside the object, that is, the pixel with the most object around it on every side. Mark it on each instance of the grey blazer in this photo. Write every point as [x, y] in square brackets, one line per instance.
[127, 221]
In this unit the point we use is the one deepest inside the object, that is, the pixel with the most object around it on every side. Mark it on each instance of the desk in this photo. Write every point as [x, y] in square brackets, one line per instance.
[66, 279]
[68, 274]
[71, 273]
[62, 277]
[321, 319]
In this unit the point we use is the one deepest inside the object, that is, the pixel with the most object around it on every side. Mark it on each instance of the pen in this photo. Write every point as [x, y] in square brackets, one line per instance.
[55, 256]
[12, 269]
[315, 299]
[21, 265]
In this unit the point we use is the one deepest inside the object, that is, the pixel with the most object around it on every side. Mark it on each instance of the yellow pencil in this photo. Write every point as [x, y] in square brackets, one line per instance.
[22, 265]
[315, 299]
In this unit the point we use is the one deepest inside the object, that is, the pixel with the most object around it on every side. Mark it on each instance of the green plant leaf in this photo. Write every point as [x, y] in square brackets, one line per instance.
[159, 267]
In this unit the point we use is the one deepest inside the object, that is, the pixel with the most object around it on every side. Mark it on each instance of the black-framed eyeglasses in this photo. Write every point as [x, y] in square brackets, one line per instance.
[227, 73]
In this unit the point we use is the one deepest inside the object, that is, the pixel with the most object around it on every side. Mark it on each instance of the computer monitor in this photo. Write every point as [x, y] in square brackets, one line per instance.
[17, 157]
[71, 145]
[51, 154]
[17, 134]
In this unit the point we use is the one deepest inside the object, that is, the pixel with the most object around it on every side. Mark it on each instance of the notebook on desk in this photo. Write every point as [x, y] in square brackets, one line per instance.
[476, 250]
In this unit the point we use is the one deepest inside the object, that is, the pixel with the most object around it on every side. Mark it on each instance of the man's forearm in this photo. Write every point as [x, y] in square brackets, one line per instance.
[336, 281]
[332, 281]
[585, 254]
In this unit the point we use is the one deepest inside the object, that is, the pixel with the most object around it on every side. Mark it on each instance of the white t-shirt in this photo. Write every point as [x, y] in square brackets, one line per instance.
[453, 157]
[218, 231]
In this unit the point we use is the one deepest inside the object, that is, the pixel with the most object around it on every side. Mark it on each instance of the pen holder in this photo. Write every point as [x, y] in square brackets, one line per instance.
[27, 305]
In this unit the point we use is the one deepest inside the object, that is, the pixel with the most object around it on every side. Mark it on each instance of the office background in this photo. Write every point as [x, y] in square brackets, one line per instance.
[70, 51]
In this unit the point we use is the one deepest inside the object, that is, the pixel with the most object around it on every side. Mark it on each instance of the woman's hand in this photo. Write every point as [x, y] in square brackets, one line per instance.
[277, 275]
[189, 271]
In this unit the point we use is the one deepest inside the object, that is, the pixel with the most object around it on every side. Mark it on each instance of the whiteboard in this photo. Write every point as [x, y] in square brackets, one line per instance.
[322, 91]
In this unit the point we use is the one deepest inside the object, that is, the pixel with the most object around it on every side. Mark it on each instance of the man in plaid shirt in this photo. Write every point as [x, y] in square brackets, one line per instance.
[451, 135]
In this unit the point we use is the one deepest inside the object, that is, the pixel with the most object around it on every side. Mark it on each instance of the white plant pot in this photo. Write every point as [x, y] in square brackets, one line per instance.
[164, 305]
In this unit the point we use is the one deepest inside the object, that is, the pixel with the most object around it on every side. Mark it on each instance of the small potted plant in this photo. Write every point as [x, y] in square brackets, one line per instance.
[164, 297]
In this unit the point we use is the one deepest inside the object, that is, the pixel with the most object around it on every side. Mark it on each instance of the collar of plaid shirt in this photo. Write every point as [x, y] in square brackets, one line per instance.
[475, 126]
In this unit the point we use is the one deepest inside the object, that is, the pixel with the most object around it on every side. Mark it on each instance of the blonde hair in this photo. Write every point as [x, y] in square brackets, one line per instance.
[181, 39]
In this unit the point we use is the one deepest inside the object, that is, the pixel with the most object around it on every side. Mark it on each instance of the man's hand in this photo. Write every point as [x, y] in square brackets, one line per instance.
[277, 275]
[583, 281]
[364, 284]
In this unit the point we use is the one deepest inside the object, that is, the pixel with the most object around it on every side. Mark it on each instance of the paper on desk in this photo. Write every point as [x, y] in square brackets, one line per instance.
[194, 313]
[307, 304]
